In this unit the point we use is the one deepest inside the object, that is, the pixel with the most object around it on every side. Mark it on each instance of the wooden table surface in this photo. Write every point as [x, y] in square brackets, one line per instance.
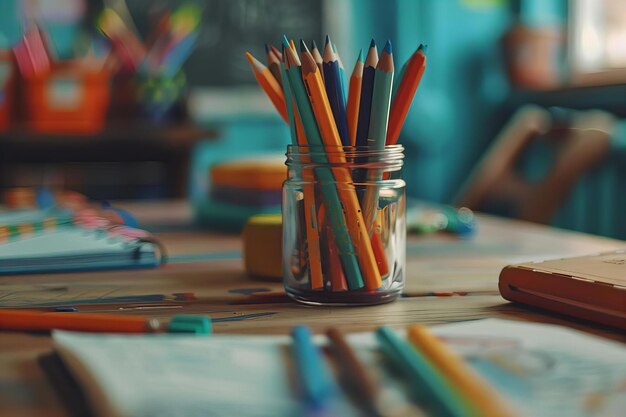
[206, 275]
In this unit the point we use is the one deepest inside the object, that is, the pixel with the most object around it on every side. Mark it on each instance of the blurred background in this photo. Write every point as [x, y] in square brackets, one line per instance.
[520, 112]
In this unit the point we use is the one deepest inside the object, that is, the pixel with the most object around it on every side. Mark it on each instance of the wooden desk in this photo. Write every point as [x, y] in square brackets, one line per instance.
[207, 268]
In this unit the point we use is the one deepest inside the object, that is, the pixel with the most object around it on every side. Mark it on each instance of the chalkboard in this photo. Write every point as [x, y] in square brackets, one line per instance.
[231, 27]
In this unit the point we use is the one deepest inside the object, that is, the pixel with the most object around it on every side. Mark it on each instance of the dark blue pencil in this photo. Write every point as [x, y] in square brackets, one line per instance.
[334, 91]
[367, 88]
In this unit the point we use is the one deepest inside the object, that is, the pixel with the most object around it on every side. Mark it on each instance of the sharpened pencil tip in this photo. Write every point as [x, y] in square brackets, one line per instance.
[327, 39]
[360, 58]
[314, 45]
[303, 47]
[267, 48]
[373, 43]
[423, 48]
[388, 47]
[285, 41]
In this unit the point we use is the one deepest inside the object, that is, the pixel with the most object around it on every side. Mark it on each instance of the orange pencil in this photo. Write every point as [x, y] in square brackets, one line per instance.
[347, 193]
[319, 61]
[354, 98]
[24, 320]
[406, 91]
[269, 84]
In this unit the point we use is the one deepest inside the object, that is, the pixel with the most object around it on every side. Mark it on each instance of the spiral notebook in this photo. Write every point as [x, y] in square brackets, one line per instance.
[30, 246]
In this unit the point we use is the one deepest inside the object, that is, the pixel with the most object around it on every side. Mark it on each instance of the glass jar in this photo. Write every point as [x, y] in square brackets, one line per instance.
[344, 225]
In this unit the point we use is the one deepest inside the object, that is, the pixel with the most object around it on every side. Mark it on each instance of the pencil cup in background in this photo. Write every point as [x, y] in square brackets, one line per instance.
[162, 98]
[331, 255]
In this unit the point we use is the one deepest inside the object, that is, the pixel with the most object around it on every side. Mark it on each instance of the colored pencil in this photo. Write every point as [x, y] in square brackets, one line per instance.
[430, 387]
[24, 320]
[334, 91]
[347, 191]
[411, 78]
[319, 61]
[367, 89]
[269, 84]
[315, 380]
[277, 52]
[355, 371]
[379, 116]
[342, 71]
[298, 137]
[273, 64]
[478, 391]
[329, 191]
[354, 97]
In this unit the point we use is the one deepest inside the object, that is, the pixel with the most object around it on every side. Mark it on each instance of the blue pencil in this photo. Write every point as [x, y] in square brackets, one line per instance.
[367, 88]
[334, 91]
[314, 377]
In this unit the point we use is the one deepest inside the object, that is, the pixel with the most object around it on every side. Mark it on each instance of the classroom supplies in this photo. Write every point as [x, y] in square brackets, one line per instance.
[532, 369]
[367, 90]
[334, 90]
[469, 383]
[269, 84]
[354, 98]
[67, 318]
[411, 77]
[314, 379]
[588, 287]
[313, 91]
[429, 386]
[262, 246]
[240, 189]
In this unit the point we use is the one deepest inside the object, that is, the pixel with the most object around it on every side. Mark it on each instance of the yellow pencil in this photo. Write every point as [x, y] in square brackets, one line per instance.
[469, 383]
[330, 137]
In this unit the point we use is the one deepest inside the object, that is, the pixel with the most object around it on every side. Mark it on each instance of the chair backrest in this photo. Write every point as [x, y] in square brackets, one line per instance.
[496, 181]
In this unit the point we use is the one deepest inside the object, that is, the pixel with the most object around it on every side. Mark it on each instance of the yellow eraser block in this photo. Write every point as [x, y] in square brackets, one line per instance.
[263, 246]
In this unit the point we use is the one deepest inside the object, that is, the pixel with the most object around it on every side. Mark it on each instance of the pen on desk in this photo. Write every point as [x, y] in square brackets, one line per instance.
[314, 377]
[484, 398]
[14, 319]
[356, 373]
[28, 320]
[429, 386]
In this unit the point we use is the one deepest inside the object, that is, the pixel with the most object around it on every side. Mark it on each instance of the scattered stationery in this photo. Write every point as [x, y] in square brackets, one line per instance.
[487, 367]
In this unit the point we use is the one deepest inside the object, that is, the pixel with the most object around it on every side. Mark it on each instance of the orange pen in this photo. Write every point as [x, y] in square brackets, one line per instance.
[27, 320]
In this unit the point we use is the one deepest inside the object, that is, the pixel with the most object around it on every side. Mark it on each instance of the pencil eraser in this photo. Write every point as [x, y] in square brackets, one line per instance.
[190, 323]
[263, 246]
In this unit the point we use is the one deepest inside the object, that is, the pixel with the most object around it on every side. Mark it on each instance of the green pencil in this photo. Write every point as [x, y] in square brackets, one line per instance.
[377, 133]
[430, 387]
[289, 104]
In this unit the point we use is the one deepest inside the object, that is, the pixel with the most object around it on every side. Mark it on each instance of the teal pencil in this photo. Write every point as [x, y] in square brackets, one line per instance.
[377, 134]
[431, 388]
[381, 99]
[330, 195]
[289, 104]
[342, 71]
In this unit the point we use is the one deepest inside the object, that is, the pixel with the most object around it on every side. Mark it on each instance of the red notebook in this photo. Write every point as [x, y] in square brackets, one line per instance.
[588, 287]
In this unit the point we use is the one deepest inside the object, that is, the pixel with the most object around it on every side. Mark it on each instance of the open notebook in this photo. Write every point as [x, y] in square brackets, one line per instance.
[71, 248]
[543, 370]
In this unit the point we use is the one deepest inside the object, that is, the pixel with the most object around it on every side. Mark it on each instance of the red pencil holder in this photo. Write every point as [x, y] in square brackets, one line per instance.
[7, 88]
[72, 98]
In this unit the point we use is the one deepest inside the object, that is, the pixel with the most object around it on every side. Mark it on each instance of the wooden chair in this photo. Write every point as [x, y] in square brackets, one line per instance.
[583, 141]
